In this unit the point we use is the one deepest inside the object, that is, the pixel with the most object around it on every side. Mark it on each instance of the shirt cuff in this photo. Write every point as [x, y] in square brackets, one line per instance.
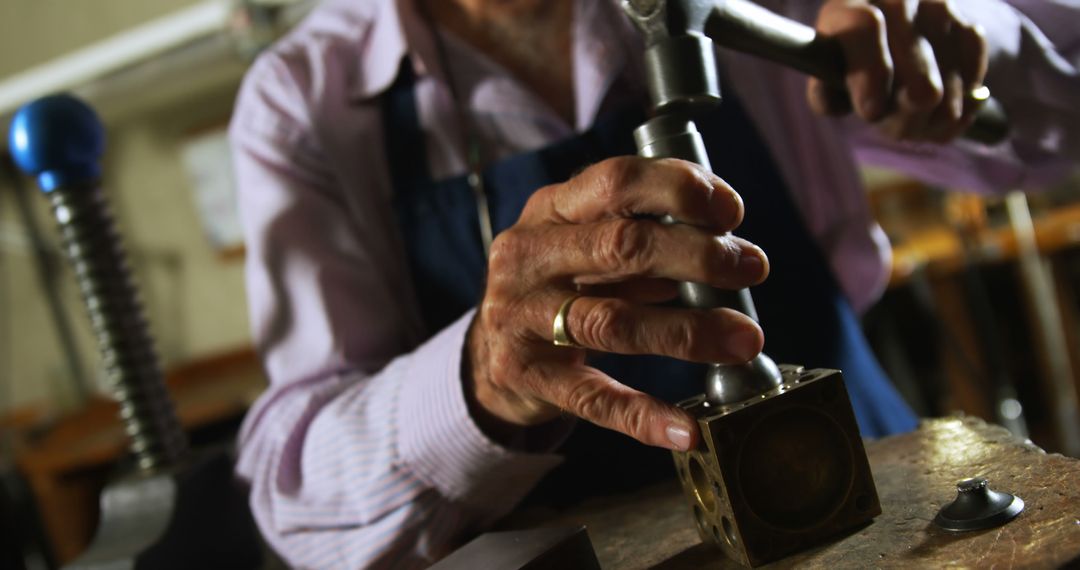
[441, 443]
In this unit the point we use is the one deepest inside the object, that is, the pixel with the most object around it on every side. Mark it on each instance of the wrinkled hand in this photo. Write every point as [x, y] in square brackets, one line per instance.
[597, 236]
[911, 65]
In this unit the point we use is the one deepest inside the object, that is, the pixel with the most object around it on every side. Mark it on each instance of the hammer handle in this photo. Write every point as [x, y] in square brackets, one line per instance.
[746, 27]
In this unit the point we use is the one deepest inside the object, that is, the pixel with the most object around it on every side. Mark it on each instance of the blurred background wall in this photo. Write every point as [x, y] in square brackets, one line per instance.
[193, 293]
[162, 75]
[36, 31]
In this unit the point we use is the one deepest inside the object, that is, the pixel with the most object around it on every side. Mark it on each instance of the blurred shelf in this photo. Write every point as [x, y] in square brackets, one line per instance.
[941, 250]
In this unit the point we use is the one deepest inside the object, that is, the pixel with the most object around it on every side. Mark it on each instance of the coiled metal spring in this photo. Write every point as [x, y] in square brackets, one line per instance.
[93, 246]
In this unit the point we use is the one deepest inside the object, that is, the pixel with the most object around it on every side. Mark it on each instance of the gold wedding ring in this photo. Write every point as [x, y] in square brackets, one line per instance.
[979, 94]
[558, 326]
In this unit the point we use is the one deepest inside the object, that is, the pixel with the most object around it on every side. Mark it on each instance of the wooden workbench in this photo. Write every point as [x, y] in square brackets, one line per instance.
[916, 474]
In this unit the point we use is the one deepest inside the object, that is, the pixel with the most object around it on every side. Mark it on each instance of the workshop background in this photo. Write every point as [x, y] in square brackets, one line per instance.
[981, 316]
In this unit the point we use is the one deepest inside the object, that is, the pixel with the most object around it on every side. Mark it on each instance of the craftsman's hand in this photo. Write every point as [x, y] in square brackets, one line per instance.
[911, 65]
[597, 236]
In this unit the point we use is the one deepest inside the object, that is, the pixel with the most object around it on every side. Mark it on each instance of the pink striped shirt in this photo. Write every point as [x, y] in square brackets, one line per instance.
[362, 452]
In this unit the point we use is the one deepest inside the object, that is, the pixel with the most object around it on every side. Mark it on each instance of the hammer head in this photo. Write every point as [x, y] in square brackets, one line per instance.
[680, 61]
[658, 19]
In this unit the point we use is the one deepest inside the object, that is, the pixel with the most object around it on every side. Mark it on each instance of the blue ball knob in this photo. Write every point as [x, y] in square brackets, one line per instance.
[59, 140]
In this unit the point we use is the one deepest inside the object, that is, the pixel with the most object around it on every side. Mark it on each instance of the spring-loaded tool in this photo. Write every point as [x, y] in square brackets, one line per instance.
[59, 141]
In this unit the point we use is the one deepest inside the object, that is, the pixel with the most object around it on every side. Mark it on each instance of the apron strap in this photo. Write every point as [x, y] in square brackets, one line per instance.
[405, 145]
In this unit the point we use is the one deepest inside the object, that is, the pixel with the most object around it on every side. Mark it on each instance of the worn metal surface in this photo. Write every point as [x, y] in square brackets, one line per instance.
[916, 474]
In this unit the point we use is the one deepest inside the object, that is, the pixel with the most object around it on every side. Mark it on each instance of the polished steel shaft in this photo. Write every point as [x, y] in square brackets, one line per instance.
[674, 136]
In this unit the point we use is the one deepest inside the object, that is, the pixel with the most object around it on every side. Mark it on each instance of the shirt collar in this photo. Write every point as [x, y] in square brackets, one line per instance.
[601, 38]
[396, 30]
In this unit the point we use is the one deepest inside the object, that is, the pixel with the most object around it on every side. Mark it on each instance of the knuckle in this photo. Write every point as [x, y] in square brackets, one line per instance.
[506, 252]
[502, 248]
[952, 14]
[599, 403]
[974, 32]
[940, 12]
[682, 172]
[692, 339]
[630, 418]
[613, 175]
[501, 363]
[588, 400]
[689, 181]
[624, 243]
[869, 18]
[512, 380]
[496, 311]
[934, 20]
[536, 199]
[720, 260]
[974, 36]
[604, 322]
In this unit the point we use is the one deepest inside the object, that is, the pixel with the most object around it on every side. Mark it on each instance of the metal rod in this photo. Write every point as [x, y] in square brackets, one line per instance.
[681, 72]
[1038, 281]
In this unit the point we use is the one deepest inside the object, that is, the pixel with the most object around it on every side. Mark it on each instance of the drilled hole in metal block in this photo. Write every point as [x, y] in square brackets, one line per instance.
[729, 532]
[702, 485]
[795, 483]
[699, 516]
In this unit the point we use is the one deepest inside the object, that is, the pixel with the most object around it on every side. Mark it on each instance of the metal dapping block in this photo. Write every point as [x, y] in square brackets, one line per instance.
[780, 472]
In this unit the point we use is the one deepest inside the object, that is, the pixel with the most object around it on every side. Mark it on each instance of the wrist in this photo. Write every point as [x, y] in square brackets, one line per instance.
[484, 404]
[473, 365]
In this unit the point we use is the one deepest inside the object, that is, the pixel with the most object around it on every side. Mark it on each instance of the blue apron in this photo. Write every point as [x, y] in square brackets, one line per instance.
[806, 318]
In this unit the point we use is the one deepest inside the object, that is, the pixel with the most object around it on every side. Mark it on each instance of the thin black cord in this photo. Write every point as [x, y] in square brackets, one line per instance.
[470, 138]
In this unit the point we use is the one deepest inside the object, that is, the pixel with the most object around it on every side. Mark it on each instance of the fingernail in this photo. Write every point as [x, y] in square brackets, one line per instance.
[679, 436]
[752, 265]
[737, 215]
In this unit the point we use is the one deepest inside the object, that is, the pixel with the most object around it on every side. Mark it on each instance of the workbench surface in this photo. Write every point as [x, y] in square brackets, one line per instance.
[916, 474]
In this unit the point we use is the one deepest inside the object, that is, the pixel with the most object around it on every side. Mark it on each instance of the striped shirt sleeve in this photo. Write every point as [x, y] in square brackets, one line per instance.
[359, 454]
[388, 470]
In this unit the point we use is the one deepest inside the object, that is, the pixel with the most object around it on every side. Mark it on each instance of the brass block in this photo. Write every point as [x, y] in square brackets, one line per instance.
[779, 473]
